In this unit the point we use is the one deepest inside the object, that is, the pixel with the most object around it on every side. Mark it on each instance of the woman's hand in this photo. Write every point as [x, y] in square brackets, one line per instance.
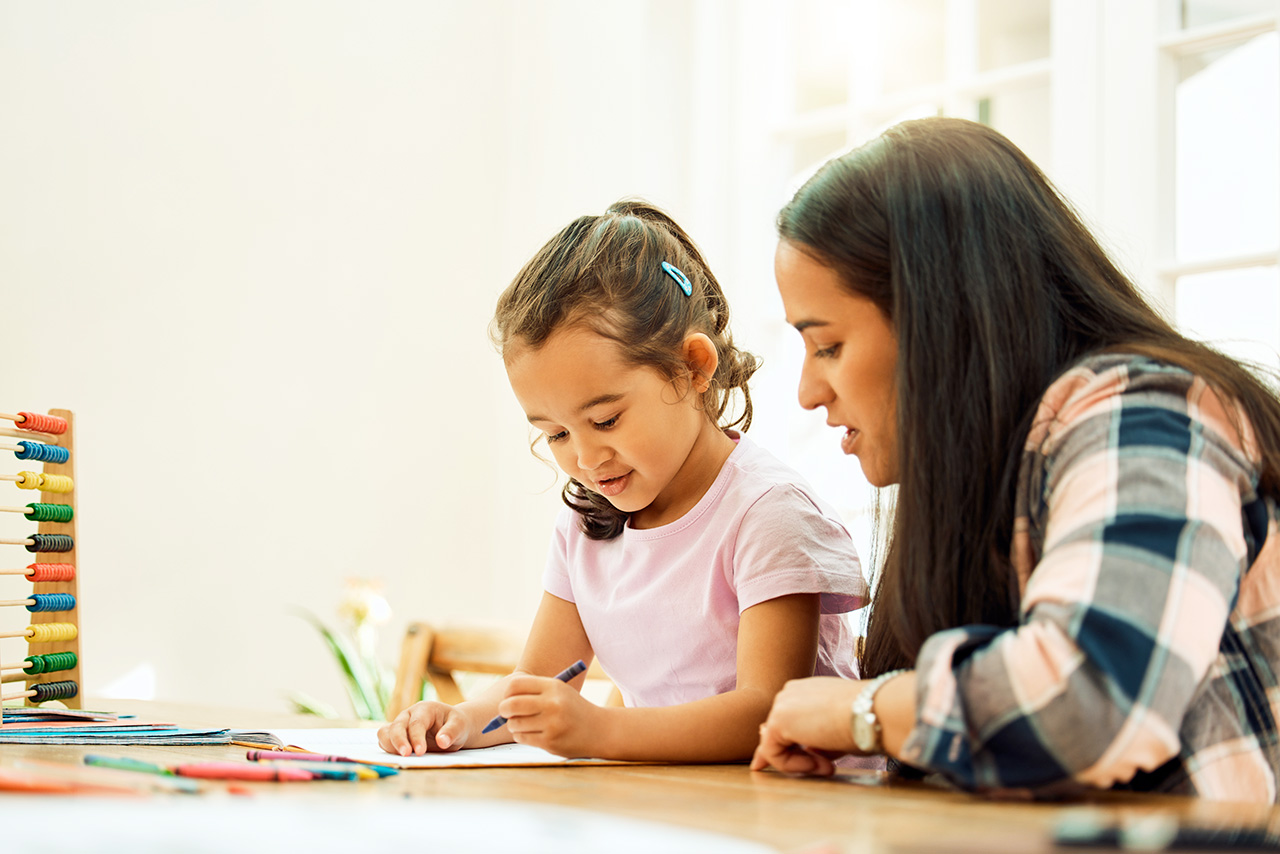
[426, 727]
[808, 726]
[544, 712]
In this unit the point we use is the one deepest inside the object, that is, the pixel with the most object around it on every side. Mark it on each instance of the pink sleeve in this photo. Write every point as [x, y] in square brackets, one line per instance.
[555, 576]
[786, 544]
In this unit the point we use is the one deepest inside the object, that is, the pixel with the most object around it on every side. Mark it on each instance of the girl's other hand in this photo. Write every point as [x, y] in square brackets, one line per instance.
[808, 726]
[426, 727]
[544, 712]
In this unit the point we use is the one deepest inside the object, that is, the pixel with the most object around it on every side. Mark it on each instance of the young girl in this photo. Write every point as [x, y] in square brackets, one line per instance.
[1082, 586]
[702, 572]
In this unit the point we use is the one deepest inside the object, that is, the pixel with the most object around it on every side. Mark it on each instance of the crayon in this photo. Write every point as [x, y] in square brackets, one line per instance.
[124, 763]
[277, 755]
[331, 770]
[241, 771]
[564, 676]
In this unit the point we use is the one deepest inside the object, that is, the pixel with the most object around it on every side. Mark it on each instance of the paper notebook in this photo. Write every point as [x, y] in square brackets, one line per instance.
[362, 744]
[71, 726]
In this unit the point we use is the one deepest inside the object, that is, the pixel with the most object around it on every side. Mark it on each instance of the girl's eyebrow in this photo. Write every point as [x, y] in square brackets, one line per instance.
[595, 401]
[802, 325]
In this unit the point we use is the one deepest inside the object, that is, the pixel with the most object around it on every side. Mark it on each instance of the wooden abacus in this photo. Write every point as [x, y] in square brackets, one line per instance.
[48, 672]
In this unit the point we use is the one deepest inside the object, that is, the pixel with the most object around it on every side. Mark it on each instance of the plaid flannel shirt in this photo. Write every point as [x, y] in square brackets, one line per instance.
[1148, 643]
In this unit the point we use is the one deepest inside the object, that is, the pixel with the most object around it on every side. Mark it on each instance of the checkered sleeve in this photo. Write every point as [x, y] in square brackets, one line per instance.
[1136, 477]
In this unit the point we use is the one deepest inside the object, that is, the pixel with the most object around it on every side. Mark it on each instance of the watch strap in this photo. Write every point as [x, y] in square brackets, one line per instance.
[863, 711]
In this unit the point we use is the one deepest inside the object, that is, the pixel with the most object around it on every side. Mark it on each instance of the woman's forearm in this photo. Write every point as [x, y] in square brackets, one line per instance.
[895, 708]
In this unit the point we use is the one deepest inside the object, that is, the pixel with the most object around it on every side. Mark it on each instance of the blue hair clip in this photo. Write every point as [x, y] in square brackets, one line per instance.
[681, 279]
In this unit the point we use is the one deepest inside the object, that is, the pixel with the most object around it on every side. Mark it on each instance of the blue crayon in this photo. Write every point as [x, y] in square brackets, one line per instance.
[564, 676]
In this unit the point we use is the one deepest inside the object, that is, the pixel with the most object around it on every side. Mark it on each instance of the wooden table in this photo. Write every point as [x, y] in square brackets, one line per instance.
[795, 815]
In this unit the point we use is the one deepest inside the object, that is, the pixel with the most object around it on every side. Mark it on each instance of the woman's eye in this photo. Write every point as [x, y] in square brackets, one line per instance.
[557, 437]
[827, 352]
[605, 425]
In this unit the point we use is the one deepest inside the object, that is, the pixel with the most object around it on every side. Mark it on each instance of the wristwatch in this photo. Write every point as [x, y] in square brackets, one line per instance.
[866, 729]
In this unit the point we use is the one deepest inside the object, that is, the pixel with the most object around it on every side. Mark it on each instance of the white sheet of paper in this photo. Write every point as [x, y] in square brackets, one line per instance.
[360, 743]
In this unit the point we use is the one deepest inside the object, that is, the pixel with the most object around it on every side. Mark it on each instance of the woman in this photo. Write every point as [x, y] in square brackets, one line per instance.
[1079, 589]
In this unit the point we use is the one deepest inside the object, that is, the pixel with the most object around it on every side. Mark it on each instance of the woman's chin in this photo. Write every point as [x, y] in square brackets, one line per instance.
[876, 475]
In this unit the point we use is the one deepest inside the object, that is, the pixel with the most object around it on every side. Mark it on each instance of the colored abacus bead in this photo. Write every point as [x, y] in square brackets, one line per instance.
[50, 543]
[42, 423]
[50, 662]
[51, 512]
[51, 632]
[45, 482]
[42, 453]
[52, 602]
[53, 691]
[51, 572]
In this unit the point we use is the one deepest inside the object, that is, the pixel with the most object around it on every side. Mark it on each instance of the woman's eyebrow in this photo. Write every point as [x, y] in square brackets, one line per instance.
[802, 325]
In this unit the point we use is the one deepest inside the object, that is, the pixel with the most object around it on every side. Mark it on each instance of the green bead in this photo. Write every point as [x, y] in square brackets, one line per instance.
[51, 512]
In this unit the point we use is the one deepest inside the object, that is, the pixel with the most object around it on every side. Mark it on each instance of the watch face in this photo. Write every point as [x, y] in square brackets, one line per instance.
[866, 733]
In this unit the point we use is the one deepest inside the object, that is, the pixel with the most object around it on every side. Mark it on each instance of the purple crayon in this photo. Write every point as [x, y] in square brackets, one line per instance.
[564, 676]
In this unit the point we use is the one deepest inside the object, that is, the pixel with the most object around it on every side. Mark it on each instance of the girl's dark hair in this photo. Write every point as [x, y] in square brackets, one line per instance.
[605, 273]
[994, 288]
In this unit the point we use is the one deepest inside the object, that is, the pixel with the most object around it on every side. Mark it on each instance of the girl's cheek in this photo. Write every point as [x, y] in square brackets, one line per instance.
[557, 454]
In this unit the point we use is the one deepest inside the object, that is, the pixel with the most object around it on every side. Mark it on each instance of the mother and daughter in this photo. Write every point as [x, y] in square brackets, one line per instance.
[1081, 584]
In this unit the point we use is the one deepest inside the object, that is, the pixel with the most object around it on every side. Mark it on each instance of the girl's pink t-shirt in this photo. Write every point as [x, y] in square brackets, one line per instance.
[661, 605]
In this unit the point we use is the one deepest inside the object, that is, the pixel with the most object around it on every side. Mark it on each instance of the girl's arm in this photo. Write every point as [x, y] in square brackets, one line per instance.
[777, 641]
[556, 640]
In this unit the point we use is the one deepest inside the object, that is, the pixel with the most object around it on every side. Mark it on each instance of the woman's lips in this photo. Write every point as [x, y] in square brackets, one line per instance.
[849, 440]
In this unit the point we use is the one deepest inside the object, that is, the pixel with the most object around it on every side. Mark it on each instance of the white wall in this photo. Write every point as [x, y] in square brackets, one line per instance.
[255, 247]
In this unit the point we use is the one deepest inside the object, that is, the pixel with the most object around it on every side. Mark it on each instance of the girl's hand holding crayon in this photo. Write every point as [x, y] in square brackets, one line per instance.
[542, 711]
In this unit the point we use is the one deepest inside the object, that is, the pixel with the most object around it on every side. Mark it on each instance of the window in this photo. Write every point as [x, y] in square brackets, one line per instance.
[1158, 119]
[860, 67]
[1221, 87]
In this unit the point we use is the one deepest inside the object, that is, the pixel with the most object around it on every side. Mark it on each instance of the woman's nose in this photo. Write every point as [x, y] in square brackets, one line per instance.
[813, 391]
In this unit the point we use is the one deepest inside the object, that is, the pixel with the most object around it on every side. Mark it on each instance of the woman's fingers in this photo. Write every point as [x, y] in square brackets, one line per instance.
[778, 749]
[792, 759]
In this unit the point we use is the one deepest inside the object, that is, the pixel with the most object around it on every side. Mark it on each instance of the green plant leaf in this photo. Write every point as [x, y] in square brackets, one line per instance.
[360, 689]
[308, 705]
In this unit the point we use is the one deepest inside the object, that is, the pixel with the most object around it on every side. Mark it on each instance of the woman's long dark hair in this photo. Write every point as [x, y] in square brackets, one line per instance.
[994, 288]
[605, 273]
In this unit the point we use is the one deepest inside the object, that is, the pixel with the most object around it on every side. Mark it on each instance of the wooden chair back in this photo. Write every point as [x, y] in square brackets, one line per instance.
[436, 654]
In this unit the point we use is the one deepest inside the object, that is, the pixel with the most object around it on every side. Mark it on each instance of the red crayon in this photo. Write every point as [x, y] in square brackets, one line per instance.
[241, 771]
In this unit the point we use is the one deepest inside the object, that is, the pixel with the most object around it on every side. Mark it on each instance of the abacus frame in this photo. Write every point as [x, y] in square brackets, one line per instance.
[65, 440]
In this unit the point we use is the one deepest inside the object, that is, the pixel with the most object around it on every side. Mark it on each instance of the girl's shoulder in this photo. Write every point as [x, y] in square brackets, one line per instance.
[756, 471]
[756, 483]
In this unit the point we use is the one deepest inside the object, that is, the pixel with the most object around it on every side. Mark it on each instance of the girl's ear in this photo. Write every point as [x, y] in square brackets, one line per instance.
[701, 356]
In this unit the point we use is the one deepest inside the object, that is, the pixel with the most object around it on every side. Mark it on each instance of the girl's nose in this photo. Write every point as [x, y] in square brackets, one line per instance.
[592, 453]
